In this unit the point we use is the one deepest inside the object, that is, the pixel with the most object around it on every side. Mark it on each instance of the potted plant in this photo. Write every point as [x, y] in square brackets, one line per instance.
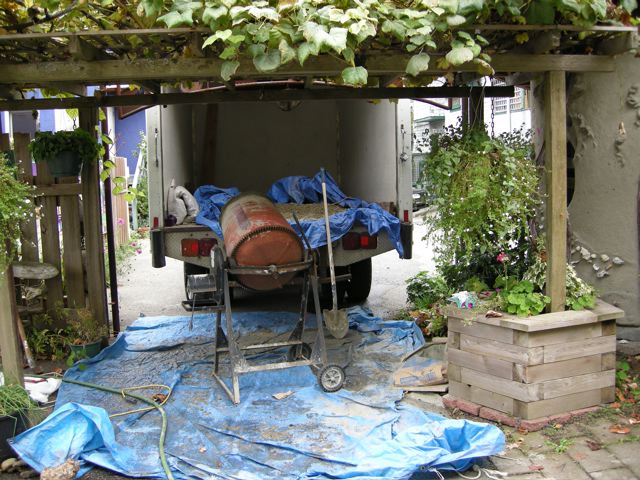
[84, 332]
[65, 151]
[15, 406]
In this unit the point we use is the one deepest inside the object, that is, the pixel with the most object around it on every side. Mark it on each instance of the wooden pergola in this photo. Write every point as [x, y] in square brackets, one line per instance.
[70, 61]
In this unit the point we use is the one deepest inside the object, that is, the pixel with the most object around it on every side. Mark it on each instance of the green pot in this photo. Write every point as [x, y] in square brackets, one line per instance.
[88, 350]
[65, 164]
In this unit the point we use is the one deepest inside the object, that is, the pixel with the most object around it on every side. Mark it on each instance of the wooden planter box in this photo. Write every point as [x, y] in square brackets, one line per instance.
[537, 366]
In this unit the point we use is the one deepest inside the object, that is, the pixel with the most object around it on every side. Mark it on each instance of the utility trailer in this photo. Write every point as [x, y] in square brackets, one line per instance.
[365, 146]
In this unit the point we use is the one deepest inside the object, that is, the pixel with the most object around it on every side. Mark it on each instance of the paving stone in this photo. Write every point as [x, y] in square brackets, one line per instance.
[614, 474]
[559, 466]
[532, 441]
[629, 453]
[592, 461]
[512, 461]
[600, 430]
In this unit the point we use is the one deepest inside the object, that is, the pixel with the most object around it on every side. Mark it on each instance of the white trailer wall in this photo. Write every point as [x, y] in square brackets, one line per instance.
[258, 143]
[368, 149]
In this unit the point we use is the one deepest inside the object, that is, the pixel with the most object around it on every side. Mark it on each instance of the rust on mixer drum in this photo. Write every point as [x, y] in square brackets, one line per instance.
[256, 234]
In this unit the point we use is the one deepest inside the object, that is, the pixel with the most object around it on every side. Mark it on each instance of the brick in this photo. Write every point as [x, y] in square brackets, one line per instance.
[593, 461]
[461, 404]
[535, 424]
[496, 416]
[560, 418]
[584, 411]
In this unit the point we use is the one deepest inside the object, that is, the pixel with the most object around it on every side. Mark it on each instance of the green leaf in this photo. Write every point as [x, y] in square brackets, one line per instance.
[256, 49]
[104, 174]
[213, 13]
[449, 5]
[541, 12]
[267, 62]
[264, 13]
[455, 20]
[355, 76]
[418, 64]
[105, 139]
[175, 19]
[152, 7]
[460, 55]
[395, 27]
[305, 50]
[228, 69]
[629, 5]
[470, 6]
[229, 52]
[286, 52]
[483, 67]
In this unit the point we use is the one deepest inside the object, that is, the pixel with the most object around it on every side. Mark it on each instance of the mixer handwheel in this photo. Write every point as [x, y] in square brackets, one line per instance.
[331, 378]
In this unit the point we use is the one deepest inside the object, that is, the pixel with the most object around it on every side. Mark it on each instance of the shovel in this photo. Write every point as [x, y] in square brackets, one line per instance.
[335, 320]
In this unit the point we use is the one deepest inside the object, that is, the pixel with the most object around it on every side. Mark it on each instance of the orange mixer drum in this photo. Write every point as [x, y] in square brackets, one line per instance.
[256, 234]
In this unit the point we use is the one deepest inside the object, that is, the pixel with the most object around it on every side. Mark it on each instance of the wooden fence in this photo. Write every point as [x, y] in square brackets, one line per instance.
[120, 205]
[55, 235]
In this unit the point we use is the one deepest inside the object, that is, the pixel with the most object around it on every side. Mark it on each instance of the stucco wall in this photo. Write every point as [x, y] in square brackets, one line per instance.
[604, 210]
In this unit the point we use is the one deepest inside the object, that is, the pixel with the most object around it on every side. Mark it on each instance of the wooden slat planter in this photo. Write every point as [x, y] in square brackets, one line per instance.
[534, 367]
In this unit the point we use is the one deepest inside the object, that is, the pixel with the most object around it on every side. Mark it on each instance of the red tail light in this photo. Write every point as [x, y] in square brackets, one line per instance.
[406, 215]
[190, 247]
[156, 222]
[351, 241]
[206, 244]
[369, 242]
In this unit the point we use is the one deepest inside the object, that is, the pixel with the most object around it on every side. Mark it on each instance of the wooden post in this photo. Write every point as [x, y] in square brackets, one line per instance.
[91, 206]
[9, 346]
[476, 108]
[555, 132]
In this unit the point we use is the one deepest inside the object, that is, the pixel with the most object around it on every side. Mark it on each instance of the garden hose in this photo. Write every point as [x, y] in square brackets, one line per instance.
[126, 392]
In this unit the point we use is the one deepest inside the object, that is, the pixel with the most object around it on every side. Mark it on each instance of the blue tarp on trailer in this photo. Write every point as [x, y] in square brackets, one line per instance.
[300, 190]
[363, 431]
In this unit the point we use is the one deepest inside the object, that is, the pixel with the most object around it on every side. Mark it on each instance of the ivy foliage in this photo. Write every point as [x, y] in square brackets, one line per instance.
[16, 204]
[485, 192]
[273, 33]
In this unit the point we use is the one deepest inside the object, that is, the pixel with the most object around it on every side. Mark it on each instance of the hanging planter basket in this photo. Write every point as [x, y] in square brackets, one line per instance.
[65, 151]
[65, 164]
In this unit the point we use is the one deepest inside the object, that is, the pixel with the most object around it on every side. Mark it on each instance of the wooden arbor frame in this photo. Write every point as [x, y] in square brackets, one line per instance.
[69, 61]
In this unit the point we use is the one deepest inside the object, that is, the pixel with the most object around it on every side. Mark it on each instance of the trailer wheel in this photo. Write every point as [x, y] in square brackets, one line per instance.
[359, 286]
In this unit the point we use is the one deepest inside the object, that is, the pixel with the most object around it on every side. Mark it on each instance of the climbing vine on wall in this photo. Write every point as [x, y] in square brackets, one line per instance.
[274, 33]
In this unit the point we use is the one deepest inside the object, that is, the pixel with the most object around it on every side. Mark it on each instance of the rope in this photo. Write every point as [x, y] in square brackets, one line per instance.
[475, 467]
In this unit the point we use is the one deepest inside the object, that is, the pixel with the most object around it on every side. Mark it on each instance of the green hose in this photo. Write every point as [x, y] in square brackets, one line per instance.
[124, 392]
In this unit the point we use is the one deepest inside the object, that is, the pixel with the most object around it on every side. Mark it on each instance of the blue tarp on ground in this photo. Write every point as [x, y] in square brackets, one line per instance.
[299, 190]
[360, 432]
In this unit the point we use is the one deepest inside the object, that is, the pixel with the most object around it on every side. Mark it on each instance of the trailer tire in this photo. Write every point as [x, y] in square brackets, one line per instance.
[359, 286]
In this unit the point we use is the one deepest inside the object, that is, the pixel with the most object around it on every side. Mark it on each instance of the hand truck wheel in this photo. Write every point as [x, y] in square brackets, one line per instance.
[299, 352]
[331, 378]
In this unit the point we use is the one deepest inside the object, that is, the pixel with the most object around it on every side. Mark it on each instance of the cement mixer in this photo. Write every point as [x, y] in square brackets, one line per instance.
[262, 252]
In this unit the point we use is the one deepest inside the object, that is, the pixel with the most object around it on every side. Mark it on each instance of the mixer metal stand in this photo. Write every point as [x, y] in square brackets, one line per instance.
[330, 376]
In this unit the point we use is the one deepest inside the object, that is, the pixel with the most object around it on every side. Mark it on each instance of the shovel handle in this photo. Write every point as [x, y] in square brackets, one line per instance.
[332, 271]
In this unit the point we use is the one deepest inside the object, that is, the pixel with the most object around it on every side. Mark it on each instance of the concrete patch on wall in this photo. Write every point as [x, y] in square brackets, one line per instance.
[604, 209]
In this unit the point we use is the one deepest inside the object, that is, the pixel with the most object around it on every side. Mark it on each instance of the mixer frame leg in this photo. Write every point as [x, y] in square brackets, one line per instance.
[319, 351]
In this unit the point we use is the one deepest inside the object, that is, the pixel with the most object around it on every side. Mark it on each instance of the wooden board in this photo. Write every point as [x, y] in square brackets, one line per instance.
[120, 206]
[481, 363]
[9, 346]
[91, 205]
[481, 396]
[490, 332]
[518, 391]
[565, 403]
[50, 243]
[503, 351]
[28, 230]
[558, 335]
[555, 370]
[72, 247]
[555, 134]
[579, 383]
[580, 348]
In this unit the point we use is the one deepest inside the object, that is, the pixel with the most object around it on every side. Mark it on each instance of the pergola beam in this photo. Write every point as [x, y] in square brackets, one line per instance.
[258, 95]
[200, 69]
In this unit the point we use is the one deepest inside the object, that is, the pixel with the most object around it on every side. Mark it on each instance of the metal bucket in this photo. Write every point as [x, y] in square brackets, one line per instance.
[256, 234]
